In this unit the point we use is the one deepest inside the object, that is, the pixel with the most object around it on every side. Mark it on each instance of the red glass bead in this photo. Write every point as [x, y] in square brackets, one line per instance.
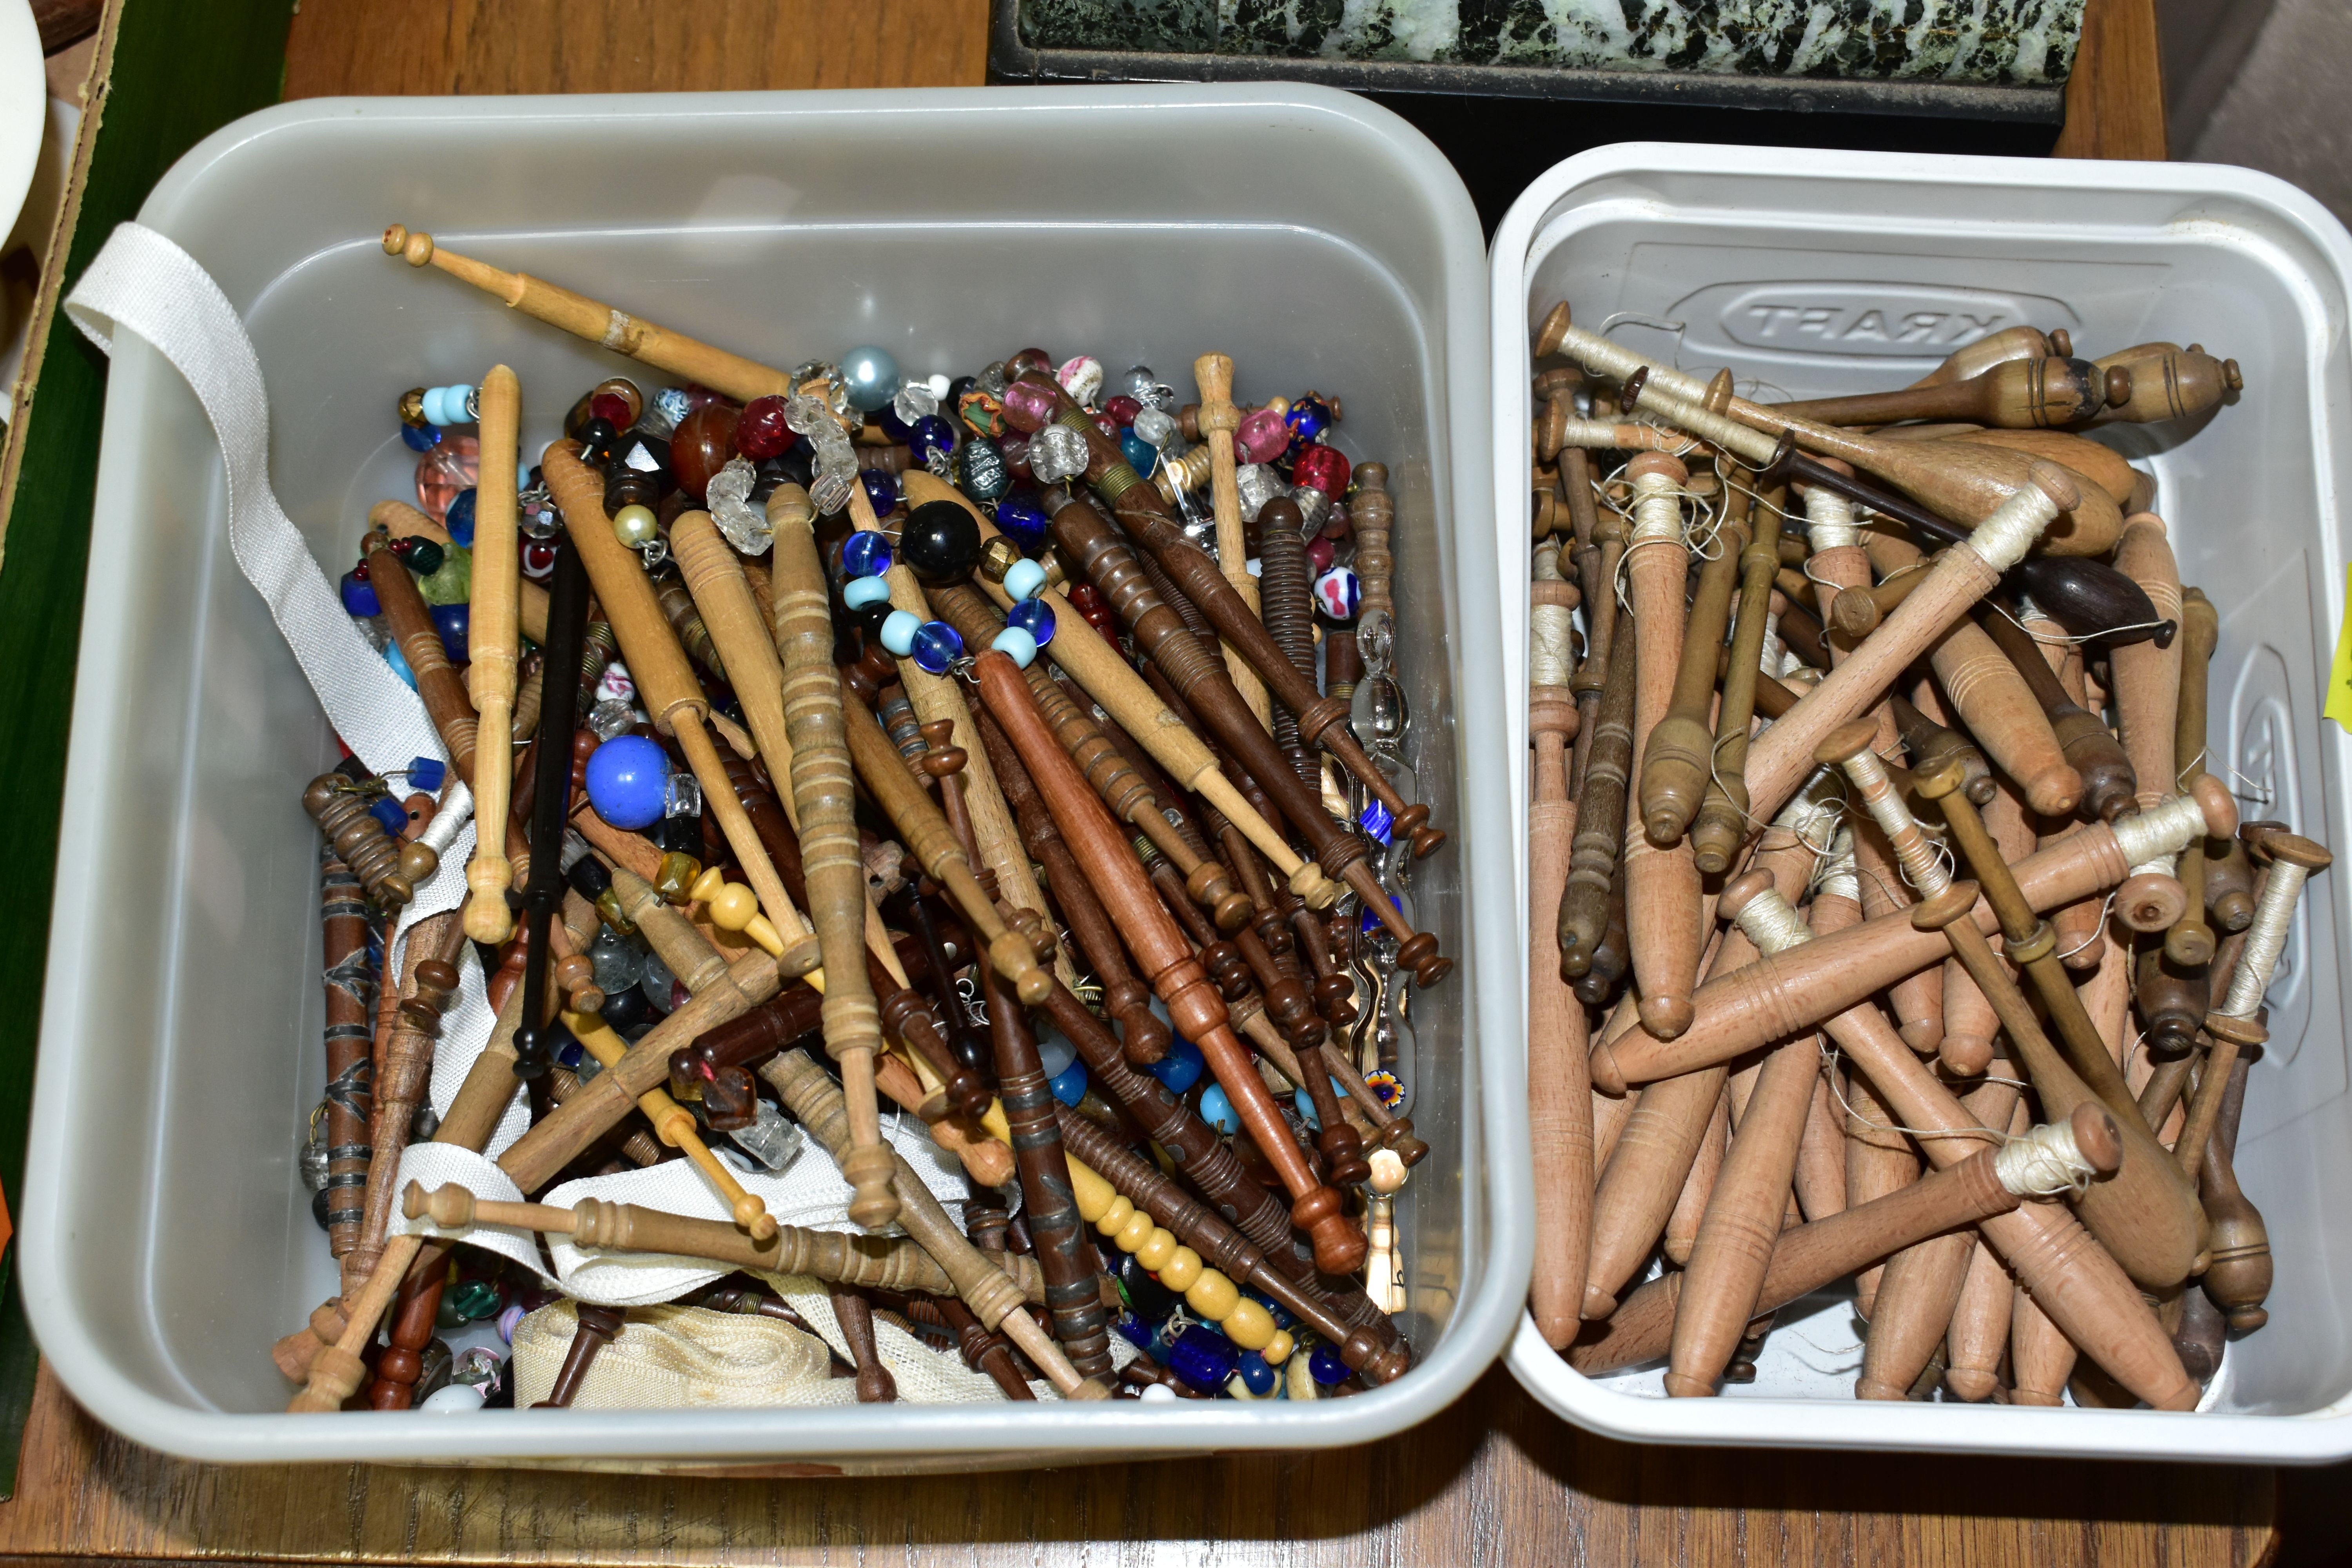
[1320, 552]
[1321, 467]
[359, 571]
[761, 433]
[1338, 524]
[1122, 409]
[1108, 426]
[537, 559]
[1089, 602]
[1027, 361]
[611, 406]
[1262, 438]
[703, 442]
[1015, 450]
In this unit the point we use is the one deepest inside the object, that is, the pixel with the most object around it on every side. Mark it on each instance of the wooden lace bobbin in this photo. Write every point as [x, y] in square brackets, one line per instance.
[1601, 546]
[1993, 700]
[595, 1327]
[1819, 1177]
[433, 947]
[675, 1126]
[1287, 605]
[835, 1257]
[1154, 1196]
[666, 683]
[2238, 1279]
[1935, 1016]
[1149, 520]
[1971, 1189]
[1998, 348]
[1977, 1340]
[2229, 886]
[2018, 394]
[1678, 755]
[1962, 482]
[1662, 885]
[1856, 611]
[389, 872]
[411, 622]
[1161, 951]
[1743, 1218]
[816, 1103]
[598, 322]
[2041, 1357]
[493, 644]
[1917, 1292]
[1125, 998]
[1193, 678]
[2101, 761]
[2166, 381]
[1103, 672]
[1699, 1187]
[2191, 942]
[1722, 826]
[824, 786]
[1643, 1175]
[351, 982]
[1559, 1092]
[855, 1313]
[987, 1353]
[1122, 781]
[2145, 1218]
[1218, 419]
[2147, 688]
[1776, 996]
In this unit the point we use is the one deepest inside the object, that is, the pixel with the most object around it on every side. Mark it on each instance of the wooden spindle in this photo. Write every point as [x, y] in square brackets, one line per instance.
[1992, 697]
[2103, 765]
[493, 644]
[1218, 419]
[2018, 395]
[1662, 885]
[350, 1101]
[2162, 381]
[434, 944]
[1559, 1091]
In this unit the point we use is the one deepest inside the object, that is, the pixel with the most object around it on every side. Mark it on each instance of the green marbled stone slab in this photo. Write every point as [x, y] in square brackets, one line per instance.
[2012, 42]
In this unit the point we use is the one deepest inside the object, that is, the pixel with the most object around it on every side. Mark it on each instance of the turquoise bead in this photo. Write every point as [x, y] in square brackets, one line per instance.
[1024, 580]
[864, 592]
[1217, 1110]
[1017, 645]
[899, 632]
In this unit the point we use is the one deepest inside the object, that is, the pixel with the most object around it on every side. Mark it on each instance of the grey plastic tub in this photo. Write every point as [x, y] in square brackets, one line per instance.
[167, 1240]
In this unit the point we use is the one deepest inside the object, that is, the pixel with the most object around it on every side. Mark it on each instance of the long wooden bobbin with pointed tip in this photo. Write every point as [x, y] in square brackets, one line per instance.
[2015, 394]
[1218, 420]
[600, 323]
[2095, 755]
[1662, 884]
[2189, 943]
[1581, 921]
[1104, 674]
[825, 785]
[494, 643]
[1559, 1094]
[1677, 756]
[1161, 950]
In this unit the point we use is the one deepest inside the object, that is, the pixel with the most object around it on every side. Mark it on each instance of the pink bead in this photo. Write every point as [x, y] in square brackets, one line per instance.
[1321, 467]
[1028, 406]
[1262, 438]
[445, 471]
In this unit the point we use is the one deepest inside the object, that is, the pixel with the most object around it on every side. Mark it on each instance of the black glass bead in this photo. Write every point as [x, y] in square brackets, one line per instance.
[940, 541]
[588, 877]
[1150, 1298]
[679, 836]
[956, 389]
[646, 455]
[626, 1007]
[597, 440]
[319, 1206]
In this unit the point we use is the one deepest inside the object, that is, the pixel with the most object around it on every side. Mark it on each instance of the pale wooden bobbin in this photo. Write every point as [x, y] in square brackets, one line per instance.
[600, 323]
[1218, 420]
[1662, 885]
[493, 640]
[675, 1126]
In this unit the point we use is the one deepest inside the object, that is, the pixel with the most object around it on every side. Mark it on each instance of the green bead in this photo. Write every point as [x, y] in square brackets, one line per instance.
[474, 1300]
[453, 582]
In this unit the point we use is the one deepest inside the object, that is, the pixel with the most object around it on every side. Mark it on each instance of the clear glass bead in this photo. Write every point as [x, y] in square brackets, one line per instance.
[612, 717]
[1258, 484]
[1056, 453]
[810, 416]
[991, 378]
[685, 798]
[655, 982]
[620, 963]
[914, 400]
[1156, 426]
[728, 495]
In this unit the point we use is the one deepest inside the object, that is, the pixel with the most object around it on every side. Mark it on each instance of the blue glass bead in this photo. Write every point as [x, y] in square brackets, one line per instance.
[1255, 1375]
[1204, 1358]
[1305, 1102]
[881, 490]
[392, 657]
[936, 646]
[898, 633]
[426, 774]
[1368, 921]
[1337, 594]
[1134, 1329]
[391, 813]
[886, 419]
[1032, 615]
[1021, 517]
[1140, 455]
[1016, 645]
[1306, 421]
[865, 593]
[420, 437]
[1024, 580]
[359, 596]
[1182, 1067]
[452, 621]
[1217, 1110]
[459, 519]
[1377, 821]
[1327, 1366]
[864, 554]
[1069, 1085]
[628, 781]
[933, 437]
[871, 378]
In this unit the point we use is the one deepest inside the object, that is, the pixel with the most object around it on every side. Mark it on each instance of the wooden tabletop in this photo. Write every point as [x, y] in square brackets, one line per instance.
[1496, 1478]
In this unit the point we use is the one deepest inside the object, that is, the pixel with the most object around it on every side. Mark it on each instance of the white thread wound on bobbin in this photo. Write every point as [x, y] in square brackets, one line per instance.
[2163, 830]
[1771, 924]
[2001, 540]
[2044, 1162]
[1829, 521]
[1657, 513]
[1838, 876]
[2265, 939]
[1550, 657]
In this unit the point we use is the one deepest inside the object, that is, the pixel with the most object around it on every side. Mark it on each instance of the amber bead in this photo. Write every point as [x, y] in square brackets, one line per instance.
[703, 442]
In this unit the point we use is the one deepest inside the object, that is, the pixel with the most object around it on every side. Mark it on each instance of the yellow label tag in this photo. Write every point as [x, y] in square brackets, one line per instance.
[2339, 673]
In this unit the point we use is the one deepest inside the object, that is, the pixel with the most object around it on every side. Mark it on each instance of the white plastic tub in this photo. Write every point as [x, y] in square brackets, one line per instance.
[167, 1240]
[1815, 271]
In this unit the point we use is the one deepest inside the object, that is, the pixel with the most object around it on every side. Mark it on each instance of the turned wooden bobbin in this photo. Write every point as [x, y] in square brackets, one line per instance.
[493, 640]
